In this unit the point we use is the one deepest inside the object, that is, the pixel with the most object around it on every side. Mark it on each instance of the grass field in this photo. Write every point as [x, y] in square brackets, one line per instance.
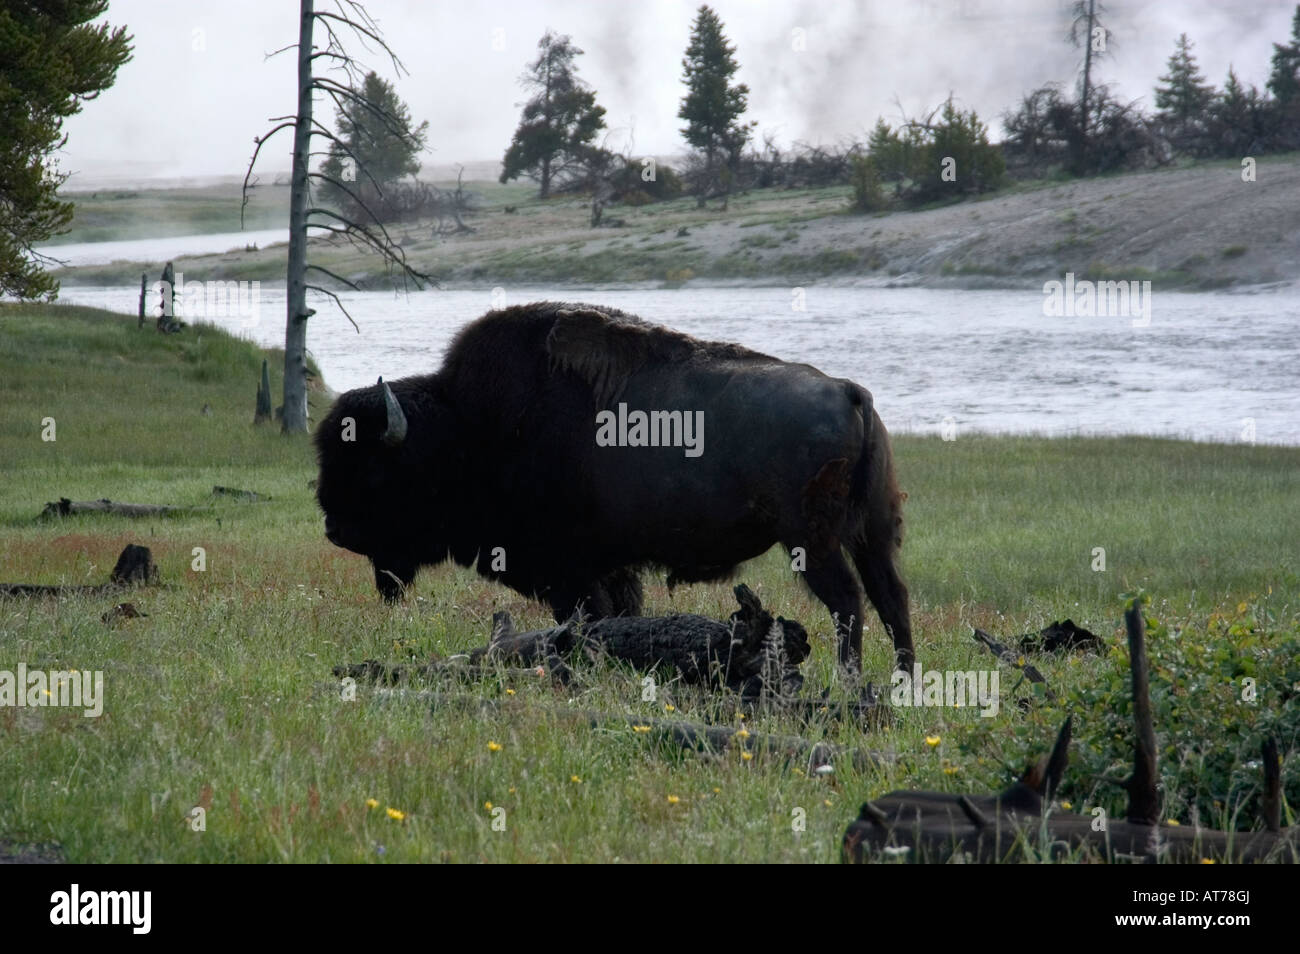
[222, 697]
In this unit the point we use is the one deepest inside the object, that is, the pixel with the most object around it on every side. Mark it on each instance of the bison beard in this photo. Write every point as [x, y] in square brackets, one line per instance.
[494, 461]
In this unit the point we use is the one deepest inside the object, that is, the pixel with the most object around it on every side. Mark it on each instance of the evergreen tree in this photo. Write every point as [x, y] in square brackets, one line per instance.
[1237, 122]
[51, 62]
[559, 122]
[1284, 80]
[712, 106]
[376, 146]
[1183, 100]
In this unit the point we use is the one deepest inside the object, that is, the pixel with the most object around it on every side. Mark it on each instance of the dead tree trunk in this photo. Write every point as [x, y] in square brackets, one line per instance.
[294, 418]
[932, 826]
[754, 653]
[1143, 800]
[134, 566]
[63, 507]
[262, 414]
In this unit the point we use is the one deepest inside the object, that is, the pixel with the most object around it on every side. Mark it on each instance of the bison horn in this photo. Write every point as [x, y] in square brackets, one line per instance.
[395, 432]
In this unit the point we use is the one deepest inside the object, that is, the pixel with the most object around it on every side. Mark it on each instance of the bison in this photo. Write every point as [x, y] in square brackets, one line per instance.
[565, 448]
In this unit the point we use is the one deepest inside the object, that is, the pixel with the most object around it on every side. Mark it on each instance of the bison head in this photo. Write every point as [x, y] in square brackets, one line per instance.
[388, 456]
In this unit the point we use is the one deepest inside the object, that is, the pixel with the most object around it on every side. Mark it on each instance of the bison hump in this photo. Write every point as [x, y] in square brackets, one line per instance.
[606, 350]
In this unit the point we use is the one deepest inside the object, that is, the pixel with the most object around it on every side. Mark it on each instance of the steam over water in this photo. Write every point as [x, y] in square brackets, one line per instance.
[1209, 366]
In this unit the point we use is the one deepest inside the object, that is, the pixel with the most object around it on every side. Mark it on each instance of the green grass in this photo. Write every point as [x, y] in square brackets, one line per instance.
[222, 695]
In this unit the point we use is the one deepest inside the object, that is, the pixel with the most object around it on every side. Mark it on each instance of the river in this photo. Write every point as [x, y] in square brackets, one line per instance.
[1211, 366]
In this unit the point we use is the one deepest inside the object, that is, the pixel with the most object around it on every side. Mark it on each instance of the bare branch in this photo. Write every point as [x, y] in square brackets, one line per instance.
[261, 141]
[338, 301]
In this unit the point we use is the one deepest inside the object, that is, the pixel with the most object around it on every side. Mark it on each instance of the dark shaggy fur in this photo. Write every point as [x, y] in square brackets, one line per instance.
[499, 468]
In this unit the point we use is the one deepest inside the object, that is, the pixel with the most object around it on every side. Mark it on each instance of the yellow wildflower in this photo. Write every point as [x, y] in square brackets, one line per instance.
[932, 740]
[673, 799]
[746, 755]
[575, 779]
[372, 803]
[640, 728]
[395, 815]
[494, 746]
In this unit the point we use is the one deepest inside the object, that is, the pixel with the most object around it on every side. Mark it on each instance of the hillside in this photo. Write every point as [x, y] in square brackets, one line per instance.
[1198, 226]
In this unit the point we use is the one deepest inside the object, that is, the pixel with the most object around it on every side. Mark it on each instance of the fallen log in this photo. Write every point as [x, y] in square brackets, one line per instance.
[1064, 635]
[63, 507]
[934, 826]
[812, 757]
[752, 653]
[134, 566]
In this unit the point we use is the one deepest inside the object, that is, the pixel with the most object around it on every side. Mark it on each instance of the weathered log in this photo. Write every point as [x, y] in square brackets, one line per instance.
[753, 652]
[932, 826]
[1270, 805]
[373, 671]
[812, 757]
[246, 496]
[262, 413]
[134, 566]
[1143, 799]
[63, 507]
[1064, 635]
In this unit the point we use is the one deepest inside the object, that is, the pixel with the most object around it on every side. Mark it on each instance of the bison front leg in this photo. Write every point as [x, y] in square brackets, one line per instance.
[392, 577]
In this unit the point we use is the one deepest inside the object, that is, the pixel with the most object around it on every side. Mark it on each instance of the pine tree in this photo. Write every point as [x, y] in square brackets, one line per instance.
[51, 62]
[712, 106]
[374, 149]
[1284, 80]
[1236, 119]
[558, 123]
[1183, 101]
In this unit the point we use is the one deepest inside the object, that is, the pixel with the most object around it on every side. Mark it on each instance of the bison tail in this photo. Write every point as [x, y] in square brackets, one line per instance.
[876, 502]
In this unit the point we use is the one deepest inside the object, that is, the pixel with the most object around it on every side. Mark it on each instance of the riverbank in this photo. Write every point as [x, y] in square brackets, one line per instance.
[1194, 227]
[221, 697]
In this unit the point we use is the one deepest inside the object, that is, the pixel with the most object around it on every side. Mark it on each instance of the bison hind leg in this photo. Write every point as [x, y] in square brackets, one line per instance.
[618, 593]
[623, 592]
[392, 577]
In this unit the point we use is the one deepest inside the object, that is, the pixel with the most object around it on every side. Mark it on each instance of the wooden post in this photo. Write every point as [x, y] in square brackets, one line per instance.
[144, 279]
[167, 303]
[263, 412]
[1143, 801]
